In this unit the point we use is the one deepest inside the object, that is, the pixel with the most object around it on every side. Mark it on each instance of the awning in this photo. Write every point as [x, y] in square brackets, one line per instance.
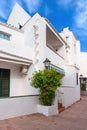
[59, 70]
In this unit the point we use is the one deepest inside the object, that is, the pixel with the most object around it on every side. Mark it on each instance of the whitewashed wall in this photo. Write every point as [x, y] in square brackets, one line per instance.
[83, 63]
[68, 95]
[73, 51]
[54, 58]
[40, 50]
[70, 76]
[18, 16]
[70, 91]
[19, 84]
[18, 106]
[16, 44]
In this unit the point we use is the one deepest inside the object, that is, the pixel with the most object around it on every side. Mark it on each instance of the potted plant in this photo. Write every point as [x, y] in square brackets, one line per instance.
[47, 80]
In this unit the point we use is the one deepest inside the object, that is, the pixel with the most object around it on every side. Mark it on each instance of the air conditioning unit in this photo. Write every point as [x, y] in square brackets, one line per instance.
[24, 70]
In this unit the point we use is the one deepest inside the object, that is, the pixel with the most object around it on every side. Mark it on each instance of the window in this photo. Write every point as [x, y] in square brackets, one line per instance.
[4, 35]
[4, 82]
[76, 78]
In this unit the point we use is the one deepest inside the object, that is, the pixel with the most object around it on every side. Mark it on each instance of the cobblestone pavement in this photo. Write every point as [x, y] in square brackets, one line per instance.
[73, 118]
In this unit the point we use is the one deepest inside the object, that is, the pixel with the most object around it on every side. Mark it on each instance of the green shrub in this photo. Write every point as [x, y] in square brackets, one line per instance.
[47, 80]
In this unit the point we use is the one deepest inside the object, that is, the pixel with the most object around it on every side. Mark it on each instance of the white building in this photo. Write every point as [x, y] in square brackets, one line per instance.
[83, 72]
[70, 86]
[25, 42]
[83, 63]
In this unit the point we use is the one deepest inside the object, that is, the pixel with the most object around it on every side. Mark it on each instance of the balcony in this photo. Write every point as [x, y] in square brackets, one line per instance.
[53, 39]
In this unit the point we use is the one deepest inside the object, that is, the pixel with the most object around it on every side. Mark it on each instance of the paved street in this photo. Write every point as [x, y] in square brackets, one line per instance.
[73, 118]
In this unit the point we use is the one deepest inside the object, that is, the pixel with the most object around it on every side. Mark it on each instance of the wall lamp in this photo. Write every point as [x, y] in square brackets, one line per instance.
[47, 63]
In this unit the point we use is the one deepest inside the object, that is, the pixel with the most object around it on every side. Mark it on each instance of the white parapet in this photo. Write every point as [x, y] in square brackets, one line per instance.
[47, 110]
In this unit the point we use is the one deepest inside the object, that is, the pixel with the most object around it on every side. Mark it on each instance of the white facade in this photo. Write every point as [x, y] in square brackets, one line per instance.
[70, 90]
[83, 63]
[25, 52]
[16, 18]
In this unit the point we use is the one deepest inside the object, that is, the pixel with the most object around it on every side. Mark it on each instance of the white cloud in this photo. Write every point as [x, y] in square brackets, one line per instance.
[81, 33]
[2, 14]
[80, 17]
[47, 10]
[3, 7]
[80, 20]
[33, 5]
[65, 3]
[6, 7]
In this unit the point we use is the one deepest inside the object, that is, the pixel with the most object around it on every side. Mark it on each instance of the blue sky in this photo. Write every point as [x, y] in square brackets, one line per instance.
[61, 13]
